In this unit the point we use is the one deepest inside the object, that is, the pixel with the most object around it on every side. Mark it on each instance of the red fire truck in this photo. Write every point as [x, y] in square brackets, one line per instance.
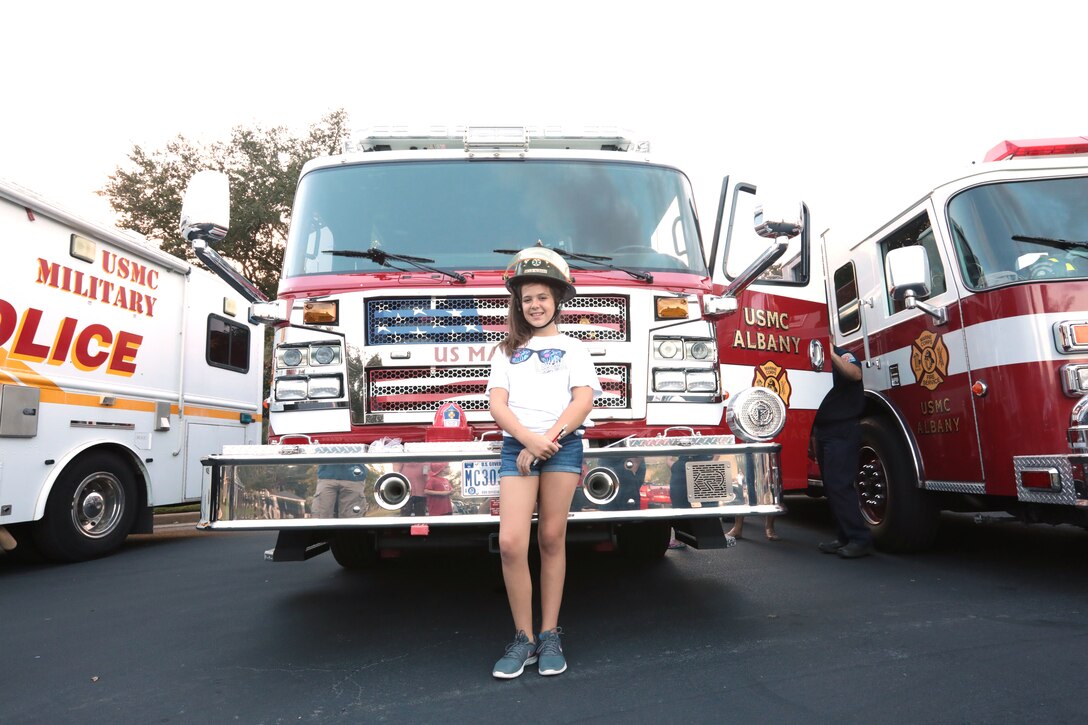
[970, 312]
[392, 300]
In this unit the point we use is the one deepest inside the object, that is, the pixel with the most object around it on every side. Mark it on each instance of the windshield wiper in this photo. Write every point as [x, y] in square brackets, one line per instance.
[592, 259]
[385, 258]
[1047, 241]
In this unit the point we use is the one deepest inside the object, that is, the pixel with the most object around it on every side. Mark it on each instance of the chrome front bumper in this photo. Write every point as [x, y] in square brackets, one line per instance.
[273, 487]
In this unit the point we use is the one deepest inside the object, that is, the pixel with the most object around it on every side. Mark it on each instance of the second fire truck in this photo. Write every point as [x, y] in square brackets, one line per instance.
[970, 310]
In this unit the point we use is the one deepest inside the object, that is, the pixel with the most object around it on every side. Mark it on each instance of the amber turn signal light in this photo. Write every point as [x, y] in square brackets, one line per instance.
[320, 313]
[671, 308]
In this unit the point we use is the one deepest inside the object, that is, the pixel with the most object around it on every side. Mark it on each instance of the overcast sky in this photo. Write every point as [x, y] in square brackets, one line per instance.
[856, 107]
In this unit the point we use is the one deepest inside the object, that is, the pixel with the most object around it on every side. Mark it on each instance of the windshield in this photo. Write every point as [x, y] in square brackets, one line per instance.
[1021, 230]
[457, 213]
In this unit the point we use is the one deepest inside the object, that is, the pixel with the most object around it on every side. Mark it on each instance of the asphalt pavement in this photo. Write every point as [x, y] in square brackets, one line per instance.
[191, 626]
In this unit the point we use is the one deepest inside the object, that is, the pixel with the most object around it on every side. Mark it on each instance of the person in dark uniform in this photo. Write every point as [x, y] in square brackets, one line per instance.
[837, 432]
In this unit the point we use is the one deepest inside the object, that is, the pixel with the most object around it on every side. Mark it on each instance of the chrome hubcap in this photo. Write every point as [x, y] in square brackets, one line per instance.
[98, 504]
[872, 487]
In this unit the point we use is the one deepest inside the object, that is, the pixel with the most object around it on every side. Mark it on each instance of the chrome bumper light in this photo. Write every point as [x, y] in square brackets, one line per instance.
[756, 414]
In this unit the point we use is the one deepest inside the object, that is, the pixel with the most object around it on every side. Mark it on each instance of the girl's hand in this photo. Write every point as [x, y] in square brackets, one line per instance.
[538, 446]
[525, 460]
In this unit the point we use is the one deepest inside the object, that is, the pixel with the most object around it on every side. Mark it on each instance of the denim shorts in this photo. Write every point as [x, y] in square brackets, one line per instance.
[567, 460]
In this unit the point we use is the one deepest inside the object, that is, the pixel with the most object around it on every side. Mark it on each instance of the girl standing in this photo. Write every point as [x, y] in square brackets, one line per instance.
[541, 390]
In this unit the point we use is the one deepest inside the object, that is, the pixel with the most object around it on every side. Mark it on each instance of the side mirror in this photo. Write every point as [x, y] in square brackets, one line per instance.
[779, 225]
[270, 313]
[205, 218]
[775, 222]
[907, 271]
[205, 209]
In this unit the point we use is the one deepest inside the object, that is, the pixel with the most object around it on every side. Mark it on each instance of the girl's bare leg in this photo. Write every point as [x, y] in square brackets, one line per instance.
[517, 499]
[556, 492]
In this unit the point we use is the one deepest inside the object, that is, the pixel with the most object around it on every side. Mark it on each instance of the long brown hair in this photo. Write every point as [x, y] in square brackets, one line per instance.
[518, 329]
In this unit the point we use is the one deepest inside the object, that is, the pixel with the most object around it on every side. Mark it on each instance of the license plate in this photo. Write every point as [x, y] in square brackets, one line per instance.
[480, 479]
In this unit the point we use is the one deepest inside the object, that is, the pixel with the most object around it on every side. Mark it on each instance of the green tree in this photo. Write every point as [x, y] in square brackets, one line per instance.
[263, 166]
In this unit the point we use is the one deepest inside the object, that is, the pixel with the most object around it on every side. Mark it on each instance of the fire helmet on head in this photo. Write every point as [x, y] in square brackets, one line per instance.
[540, 264]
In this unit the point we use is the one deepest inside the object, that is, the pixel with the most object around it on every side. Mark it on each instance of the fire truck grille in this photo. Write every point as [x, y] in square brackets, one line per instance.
[410, 390]
[467, 320]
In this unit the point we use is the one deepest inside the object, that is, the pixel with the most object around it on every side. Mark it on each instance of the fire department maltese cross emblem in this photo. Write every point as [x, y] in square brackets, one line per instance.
[771, 376]
[929, 360]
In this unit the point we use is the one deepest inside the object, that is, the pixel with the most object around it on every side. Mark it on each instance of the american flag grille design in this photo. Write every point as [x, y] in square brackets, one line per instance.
[466, 320]
[409, 390]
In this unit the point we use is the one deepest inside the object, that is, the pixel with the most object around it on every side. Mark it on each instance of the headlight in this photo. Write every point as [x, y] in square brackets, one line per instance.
[291, 357]
[668, 349]
[702, 381]
[699, 350]
[291, 389]
[669, 381]
[325, 354]
[325, 386]
[756, 414]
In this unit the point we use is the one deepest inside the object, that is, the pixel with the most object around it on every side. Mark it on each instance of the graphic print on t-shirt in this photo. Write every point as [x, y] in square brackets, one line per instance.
[548, 359]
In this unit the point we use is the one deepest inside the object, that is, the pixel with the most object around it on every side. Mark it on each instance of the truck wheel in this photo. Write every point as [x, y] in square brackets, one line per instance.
[902, 516]
[353, 549]
[90, 510]
[643, 542]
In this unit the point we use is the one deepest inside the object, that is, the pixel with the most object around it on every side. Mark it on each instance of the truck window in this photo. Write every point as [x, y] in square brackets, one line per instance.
[918, 230]
[458, 212]
[846, 298]
[1020, 230]
[227, 344]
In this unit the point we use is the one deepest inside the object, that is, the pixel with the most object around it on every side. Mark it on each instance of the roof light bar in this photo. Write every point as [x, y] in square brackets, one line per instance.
[1038, 147]
[496, 138]
[490, 138]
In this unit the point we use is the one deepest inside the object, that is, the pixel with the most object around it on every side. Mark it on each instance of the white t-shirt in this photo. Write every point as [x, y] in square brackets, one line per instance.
[539, 378]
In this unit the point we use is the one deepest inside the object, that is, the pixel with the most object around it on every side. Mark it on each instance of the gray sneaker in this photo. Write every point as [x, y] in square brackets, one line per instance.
[550, 653]
[519, 653]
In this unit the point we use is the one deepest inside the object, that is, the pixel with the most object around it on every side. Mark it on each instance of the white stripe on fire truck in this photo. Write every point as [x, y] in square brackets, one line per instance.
[1005, 341]
[807, 388]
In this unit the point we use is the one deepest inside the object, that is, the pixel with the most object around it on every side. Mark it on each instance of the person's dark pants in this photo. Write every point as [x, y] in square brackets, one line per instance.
[416, 506]
[838, 446]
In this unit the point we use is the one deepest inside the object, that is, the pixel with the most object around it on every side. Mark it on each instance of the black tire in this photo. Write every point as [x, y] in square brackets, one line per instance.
[354, 549]
[902, 516]
[90, 510]
[644, 541]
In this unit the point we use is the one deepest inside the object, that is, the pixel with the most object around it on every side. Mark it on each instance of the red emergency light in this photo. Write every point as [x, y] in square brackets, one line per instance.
[1038, 147]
